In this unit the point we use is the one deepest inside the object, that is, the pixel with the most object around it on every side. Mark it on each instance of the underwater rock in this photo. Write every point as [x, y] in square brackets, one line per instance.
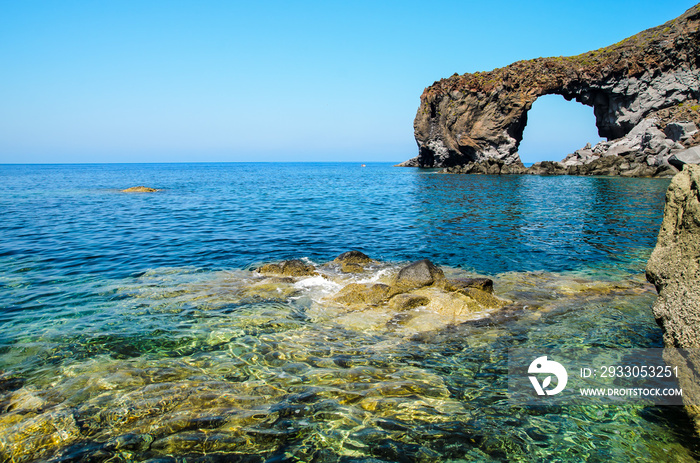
[674, 268]
[292, 268]
[32, 438]
[418, 274]
[407, 301]
[140, 189]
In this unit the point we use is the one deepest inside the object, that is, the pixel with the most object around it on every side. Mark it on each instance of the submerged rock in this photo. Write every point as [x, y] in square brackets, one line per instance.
[355, 293]
[674, 268]
[407, 301]
[140, 189]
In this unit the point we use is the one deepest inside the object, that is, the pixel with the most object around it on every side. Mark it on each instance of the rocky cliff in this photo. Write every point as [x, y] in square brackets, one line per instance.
[654, 74]
[674, 268]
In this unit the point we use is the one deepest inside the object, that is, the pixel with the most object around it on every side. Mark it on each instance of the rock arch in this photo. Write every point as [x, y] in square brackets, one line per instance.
[475, 117]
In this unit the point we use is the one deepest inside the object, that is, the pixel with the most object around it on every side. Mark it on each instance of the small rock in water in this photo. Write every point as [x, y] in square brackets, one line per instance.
[352, 261]
[140, 189]
[353, 257]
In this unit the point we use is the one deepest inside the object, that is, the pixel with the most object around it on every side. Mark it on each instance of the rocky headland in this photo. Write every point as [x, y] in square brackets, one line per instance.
[644, 91]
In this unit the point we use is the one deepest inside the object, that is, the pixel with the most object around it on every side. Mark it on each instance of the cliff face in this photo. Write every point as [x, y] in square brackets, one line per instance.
[479, 116]
[674, 268]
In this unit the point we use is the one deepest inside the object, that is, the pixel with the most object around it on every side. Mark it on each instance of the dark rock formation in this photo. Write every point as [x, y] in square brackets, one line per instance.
[674, 268]
[418, 274]
[479, 116]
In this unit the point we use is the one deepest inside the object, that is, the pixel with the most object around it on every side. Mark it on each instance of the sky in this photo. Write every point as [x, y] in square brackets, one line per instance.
[220, 81]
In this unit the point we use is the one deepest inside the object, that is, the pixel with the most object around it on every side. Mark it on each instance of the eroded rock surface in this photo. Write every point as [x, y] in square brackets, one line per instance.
[652, 75]
[674, 268]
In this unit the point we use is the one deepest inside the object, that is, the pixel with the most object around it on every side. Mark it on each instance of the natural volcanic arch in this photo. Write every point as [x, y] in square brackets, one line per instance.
[474, 117]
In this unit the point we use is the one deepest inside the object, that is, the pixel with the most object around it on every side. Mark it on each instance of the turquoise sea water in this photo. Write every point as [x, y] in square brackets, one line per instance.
[133, 327]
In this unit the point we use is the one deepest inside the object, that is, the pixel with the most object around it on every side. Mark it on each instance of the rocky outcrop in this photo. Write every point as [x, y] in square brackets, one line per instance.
[674, 268]
[652, 75]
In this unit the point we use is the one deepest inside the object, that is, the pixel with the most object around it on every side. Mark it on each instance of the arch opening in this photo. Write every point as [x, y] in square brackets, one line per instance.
[555, 128]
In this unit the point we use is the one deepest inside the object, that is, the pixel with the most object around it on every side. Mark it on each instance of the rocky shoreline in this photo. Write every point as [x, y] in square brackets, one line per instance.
[651, 149]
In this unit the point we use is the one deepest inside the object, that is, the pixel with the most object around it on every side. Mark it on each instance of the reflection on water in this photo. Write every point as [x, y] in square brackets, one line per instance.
[503, 223]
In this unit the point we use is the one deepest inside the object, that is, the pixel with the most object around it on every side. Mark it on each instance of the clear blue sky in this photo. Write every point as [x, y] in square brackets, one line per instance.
[171, 81]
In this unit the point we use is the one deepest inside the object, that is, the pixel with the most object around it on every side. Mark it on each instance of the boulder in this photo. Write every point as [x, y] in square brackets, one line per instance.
[352, 261]
[689, 156]
[418, 274]
[353, 257]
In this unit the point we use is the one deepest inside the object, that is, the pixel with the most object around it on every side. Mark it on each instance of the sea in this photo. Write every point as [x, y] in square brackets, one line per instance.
[135, 326]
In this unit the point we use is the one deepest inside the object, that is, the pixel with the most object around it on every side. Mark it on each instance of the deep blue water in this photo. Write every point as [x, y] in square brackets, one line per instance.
[71, 219]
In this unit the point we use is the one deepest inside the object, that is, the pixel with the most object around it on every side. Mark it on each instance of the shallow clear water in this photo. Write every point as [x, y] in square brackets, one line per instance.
[132, 327]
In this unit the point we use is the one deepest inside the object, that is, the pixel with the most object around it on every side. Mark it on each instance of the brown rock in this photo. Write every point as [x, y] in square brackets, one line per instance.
[484, 284]
[353, 257]
[407, 301]
[356, 293]
[140, 189]
[352, 268]
[292, 268]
